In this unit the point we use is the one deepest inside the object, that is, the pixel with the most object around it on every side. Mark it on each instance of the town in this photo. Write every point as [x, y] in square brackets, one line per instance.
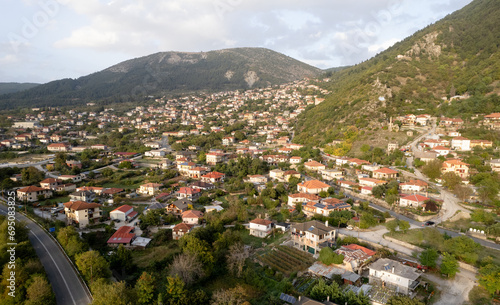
[211, 188]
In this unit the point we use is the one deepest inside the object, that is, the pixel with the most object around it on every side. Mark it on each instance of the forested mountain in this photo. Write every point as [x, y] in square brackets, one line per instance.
[458, 55]
[169, 73]
[6, 88]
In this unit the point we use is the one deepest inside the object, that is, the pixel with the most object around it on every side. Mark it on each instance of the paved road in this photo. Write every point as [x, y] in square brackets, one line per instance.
[63, 278]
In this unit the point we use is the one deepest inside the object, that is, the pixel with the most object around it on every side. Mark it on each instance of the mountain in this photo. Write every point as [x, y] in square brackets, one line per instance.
[458, 55]
[170, 73]
[6, 88]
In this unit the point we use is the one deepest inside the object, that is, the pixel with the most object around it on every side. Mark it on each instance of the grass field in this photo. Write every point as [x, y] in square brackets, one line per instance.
[149, 255]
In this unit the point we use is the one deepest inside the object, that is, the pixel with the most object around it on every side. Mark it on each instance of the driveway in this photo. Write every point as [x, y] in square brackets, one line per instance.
[456, 290]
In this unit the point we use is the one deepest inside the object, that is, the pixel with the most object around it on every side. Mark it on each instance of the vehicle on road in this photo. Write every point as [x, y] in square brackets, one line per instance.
[349, 227]
[429, 224]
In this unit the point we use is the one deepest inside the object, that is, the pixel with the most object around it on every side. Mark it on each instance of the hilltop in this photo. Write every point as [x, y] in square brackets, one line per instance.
[6, 88]
[169, 73]
[456, 56]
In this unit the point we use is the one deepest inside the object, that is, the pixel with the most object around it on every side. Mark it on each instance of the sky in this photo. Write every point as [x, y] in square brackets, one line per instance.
[45, 40]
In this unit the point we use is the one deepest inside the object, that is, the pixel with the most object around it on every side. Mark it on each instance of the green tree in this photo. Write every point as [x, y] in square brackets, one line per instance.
[175, 292]
[392, 226]
[92, 265]
[479, 295]
[31, 175]
[404, 225]
[433, 169]
[126, 165]
[428, 257]
[145, 288]
[449, 265]
[403, 300]
[107, 172]
[451, 180]
[116, 293]
[365, 148]
[39, 292]
[489, 278]
[70, 241]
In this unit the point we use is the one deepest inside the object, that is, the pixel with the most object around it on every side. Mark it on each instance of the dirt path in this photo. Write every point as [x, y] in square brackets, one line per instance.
[455, 291]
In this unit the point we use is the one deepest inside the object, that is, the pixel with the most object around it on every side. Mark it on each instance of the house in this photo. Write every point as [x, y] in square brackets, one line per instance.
[293, 199]
[312, 187]
[73, 178]
[178, 207]
[366, 190]
[50, 183]
[158, 153]
[481, 143]
[295, 160]
[123, 213]
[213, 158]
[354, 256]
[180, 230]
[460, 143]
[196, 172]
[313, 235]
[385, 173]
[211, 208]
[456, 166]
[347, 184]
[83, 213]
[74, 164]
[441, 150]
[31, 193]
[110, 192]
[256, 179]
[314, 166]
[289, 174]
[87, 196]
[202, 185]
[332, 174]
[260, 227]
[392, 147]
[189, 193]
[122, 236]
[325, 207]
[492, 121]
[191, 217]
[401, 277]
[213, 177]
[371, 182]
[283, 226]
[494, 164]
[413, 186]
[149, 188]
[66, 187]
[228, 140]
[58, 147]
[412, 201]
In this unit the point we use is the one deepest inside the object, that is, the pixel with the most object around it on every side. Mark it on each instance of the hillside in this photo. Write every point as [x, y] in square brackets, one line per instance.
[457, 55]
[170, 73]
[6, 88]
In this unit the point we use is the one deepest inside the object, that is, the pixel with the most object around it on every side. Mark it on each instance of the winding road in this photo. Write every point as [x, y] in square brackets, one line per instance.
[66, 283]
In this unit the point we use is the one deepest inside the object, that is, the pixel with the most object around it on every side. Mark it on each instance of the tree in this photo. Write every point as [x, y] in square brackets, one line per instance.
[403, 300]
[489, 278]
[92, 265]
[463, 192]
[327, 256]
[175, 292]
[39, 292]
[115, 293]
[232, 296]
[126, 165]
[187, 267]
[70, 241]
[433, 169]
[451, 180]
[107, 172]
[31, 175]
[404, 225]
[479, 295]
[428, 257]
[392, 225]
[449, 265]
[365, 148]
[236, 258]
[430, 205]
[145, 288]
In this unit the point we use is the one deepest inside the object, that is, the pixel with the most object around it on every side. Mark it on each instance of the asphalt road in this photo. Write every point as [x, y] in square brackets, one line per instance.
[63, 278]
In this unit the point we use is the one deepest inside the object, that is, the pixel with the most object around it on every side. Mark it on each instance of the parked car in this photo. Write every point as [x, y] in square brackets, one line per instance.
[429, 224]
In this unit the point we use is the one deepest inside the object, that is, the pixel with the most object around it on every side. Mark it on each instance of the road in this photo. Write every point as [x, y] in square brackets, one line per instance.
[63, 278]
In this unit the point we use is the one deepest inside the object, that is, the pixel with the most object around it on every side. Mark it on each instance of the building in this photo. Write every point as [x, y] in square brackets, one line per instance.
[495, 164]
[354, 256]
[83, 213]
[58, 147]
[456, 166]
[213, 177]
[256, 179]
[390, 273]
[413, 186]
[325, 207]
[178, 207]
[31, 193]
[87, 196]
[385, 173]
[149, 188]
[260, 227]
[332, 174]
[180, 230]
[313, 235]
[414, 201]
[191, 217]
[26, 125]
[189, 193]
[202, 185]
[314, 166]
[123, 236]
[293, 199]
[312, 187]
[371, 182]
[123, 213]
[50, 183]
[213, 158]
[460, 143]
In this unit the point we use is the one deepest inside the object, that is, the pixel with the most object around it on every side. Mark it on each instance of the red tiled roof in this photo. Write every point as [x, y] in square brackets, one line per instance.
[81, 205]
[385, 170]
[30, 189]
[416, 198]
[304, 195]
[122, 236]
[192, 214]
[260, 221]
[184, 227]
[124, 208]
[358, 247]
[313, 184]
[188, 191]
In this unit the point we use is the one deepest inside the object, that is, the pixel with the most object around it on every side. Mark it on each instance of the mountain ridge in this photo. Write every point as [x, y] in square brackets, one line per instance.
[170, 73]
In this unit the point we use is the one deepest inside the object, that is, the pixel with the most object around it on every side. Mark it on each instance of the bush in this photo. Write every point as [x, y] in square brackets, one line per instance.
[328, 257]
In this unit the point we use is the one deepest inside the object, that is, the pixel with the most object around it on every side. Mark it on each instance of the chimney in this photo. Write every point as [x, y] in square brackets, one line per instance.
[326, 223]
[392, 269]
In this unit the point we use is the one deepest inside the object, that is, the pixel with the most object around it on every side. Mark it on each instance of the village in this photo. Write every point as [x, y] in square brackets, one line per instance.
[125, 178]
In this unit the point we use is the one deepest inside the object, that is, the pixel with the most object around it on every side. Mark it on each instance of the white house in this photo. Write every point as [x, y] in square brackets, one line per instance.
[191, 217]
[394, 274]
[332, 174]
[155, 153]
[460, 143]
[412, 200]
[123, 213]
[413, 186]
[312, 187]
[260, 227]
